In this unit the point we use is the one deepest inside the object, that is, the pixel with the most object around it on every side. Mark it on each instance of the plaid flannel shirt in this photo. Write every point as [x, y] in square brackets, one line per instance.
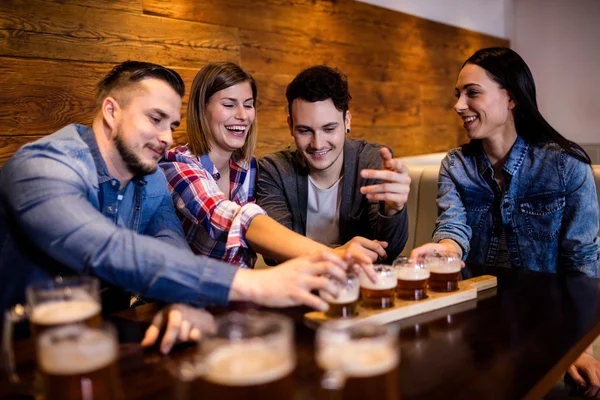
[213, 225]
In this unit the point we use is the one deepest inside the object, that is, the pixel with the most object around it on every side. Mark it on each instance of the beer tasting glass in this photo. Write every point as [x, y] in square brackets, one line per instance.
[412, 279]
[444, 268]
[344, 305]
[358, 361]
[78, 362]
[382, 293]
[249, 356]
[50, 304]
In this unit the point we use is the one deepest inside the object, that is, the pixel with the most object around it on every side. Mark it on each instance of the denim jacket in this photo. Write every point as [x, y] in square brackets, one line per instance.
[62, 213]
[549, 209]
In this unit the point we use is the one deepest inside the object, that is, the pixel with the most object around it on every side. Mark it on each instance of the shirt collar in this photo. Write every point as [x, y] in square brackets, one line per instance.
[513, 161]
[87, 135]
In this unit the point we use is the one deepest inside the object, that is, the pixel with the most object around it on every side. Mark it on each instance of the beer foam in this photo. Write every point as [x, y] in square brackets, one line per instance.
[64, 311]
[75, 349]
[412, 274]
[386, 281]
[358, 359]
[345, 296]
[247, 364]
[445, 268]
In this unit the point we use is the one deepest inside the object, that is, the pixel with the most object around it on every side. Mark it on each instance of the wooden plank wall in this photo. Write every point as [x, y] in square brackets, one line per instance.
[401, 68]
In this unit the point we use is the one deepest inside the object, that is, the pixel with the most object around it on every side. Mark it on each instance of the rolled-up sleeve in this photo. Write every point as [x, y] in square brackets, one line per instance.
[48, 197]
[198, 198]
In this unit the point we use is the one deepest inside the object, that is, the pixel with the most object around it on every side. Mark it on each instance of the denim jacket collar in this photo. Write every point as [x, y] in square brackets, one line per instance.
[512, 163]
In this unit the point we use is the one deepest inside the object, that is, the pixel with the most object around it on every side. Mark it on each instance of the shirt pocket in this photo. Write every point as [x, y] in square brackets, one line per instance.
[540, 217]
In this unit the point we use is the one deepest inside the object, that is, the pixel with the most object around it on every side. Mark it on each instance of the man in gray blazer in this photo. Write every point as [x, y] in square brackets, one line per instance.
[333, 189]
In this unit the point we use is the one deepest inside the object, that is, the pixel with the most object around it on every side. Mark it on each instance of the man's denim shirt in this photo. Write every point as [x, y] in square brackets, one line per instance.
[549, 209]
[61, 213]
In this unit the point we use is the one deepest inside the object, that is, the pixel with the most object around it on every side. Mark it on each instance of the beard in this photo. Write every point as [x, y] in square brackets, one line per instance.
[132, 161]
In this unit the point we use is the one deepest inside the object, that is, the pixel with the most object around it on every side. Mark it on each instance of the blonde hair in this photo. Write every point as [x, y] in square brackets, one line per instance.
[211, 79]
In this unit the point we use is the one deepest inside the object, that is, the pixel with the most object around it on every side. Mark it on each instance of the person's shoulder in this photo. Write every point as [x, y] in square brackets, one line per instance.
[67, 141]
[279, 158]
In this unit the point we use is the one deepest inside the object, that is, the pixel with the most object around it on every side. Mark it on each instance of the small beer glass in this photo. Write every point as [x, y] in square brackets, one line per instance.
[344, 305]
[382, 293]
[444, 268]
[412, 279]
[358, 361]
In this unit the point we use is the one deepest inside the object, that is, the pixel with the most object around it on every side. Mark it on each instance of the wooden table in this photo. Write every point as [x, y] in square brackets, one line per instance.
[513, 342]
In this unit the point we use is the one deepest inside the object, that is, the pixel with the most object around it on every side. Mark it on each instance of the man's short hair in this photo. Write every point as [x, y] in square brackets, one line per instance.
[319, 83]
[129, 73]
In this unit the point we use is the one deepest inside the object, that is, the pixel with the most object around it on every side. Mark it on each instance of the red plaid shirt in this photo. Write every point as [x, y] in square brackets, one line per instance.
[214, 226]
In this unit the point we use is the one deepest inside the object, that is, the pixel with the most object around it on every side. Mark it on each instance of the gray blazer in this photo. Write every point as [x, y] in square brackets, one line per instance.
[282, 191]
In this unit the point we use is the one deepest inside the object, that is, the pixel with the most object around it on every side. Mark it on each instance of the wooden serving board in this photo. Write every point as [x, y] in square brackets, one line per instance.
[467, 290]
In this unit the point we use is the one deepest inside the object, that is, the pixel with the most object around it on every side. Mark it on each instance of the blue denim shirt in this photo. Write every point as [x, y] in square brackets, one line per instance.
[60, 213]
[549, 209]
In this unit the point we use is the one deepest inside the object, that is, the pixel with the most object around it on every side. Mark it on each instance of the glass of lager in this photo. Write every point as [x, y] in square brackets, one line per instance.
[249, 356]
[444, 268]
[358, 361]
[79, 363]
[344, 305]
[52, 303]
[412, 279]
[382, 293]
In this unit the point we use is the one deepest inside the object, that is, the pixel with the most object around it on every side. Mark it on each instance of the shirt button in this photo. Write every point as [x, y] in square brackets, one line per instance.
[110, 209]
[113, 183]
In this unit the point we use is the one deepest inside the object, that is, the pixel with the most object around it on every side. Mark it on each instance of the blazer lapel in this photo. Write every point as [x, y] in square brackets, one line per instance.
[348, 184]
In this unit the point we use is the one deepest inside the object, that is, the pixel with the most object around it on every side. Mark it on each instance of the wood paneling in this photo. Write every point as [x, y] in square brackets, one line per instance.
[41, 29]
[401, 69]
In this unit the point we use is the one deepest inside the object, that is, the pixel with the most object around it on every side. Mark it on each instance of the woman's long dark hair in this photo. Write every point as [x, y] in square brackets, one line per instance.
[510, 72]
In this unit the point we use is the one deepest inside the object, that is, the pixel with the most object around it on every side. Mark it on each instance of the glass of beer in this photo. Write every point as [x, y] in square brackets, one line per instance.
[358, 361]
[381, 293]
[412, 279]
[78, 362]
[64, 301]
[249, 355]
[444, 268]
[51, 303]
[344, 305]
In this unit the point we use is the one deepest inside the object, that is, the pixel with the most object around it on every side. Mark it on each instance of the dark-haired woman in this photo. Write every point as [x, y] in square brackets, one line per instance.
[518, 194]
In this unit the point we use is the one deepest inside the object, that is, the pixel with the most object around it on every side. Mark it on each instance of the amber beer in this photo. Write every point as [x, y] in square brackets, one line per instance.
[247, 371]
[248, 356]
[382, 293]
[412, 282]
[53, 314]
[444, 276]
[344, 305]
[79, 363]
[368, 365]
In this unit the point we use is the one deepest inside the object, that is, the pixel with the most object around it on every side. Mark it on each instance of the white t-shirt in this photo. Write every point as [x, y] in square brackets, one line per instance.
[323, 213]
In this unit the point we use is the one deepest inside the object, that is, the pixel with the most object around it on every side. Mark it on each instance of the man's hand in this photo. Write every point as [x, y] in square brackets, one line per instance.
[394, 186]
[290, 283]
[585, 371]
[183, 323]
[363, 252]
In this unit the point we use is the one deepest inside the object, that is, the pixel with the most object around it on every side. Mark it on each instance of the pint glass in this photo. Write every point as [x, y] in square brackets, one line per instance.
[444, 268]
[382, 293]
[360, 361]
[249, 356]
[344, 305]
[79, 363]
[412, 279]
